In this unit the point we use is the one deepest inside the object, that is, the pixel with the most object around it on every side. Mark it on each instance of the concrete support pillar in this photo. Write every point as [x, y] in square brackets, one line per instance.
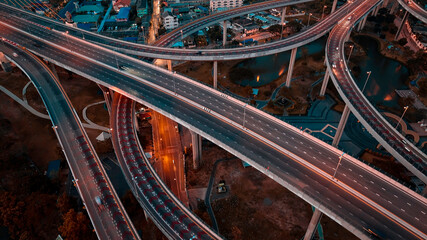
[312, 226]
[196, 142]
[347, 37]
[291, 67]
[53, 69]
[405, 17]
[376, 10]
[108, 96]
[5, 63]
[224, 33]
[170, 65]
[361, 24]
[334, 6]
[341, 125]
[324, 84]
[394, 7]
[282, 21]
[215, 75]
[385, 3]
[364, 22]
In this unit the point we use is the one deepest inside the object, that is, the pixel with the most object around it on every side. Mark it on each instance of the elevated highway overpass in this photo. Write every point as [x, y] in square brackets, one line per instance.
[359, 197]
[416, 10]
[312, 33]
[89, 174]
[167, 212]
[404, 151]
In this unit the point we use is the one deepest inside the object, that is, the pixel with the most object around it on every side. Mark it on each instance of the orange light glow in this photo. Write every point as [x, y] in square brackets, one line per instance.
[257, 78]
[388, 98]
[281, 71]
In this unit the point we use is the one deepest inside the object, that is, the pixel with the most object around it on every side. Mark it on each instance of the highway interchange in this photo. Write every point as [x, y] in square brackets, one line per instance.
[404, 151]
[245, 139]
[185, 88]
[90, 177]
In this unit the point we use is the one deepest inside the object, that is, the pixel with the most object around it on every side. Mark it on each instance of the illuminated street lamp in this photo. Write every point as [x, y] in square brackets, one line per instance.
[308, 23]
[339, 162]
[66, 35]
[367, 78]
[403, 114]
[351, 51]
[323, 12]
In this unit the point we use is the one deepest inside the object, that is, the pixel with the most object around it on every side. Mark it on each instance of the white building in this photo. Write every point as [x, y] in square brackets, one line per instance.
[215, 4]
[169, 20]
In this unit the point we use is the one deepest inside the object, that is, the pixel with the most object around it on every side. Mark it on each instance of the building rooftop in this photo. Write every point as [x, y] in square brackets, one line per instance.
[91, 8]
[86, 18]
[123, 13]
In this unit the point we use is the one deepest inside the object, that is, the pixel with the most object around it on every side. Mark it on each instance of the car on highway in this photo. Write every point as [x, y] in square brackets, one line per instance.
[99, 203]
[15, 54]
[122, 67]
[334, 65]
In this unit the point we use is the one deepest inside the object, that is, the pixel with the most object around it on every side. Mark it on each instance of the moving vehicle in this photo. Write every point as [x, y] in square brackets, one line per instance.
[99, 203]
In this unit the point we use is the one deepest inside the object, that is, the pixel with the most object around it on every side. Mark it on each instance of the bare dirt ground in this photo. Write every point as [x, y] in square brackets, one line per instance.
[256, 206]
[83, 92]
[35, 134]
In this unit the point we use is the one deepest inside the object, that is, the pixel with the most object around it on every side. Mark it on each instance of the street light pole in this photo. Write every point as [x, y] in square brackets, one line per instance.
[366, 81]
[66, 35]
[244, 115]
[339, 162]
[401, 117]
[174, 84]
[351, 51]
[308, 23]
[323, 12]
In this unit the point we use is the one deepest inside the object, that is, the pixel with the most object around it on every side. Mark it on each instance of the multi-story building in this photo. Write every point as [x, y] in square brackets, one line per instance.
[169, 20]
[215, 4]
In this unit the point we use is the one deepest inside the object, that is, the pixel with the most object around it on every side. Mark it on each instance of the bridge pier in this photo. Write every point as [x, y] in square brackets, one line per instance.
[5, 63]
[334, 6]
[224, 33]
[394, 7]
[170, 65]
[282, 21]
[405, 17]
[108, 96]
[376, 10]
[362, 24]
[215, 75]
[312, 226]
[324, 84]
[385, 3]
[196, 143]
[291, 67]
[341, 125]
